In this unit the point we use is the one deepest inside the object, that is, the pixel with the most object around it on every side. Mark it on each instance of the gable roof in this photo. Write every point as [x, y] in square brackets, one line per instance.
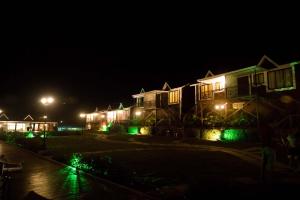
[267, 63]
[209, 73]
[166, 86]
[28, 117]
[3, 115]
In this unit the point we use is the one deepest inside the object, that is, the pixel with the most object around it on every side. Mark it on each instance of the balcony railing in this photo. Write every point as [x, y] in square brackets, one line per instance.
[149, 104]
[226, 93]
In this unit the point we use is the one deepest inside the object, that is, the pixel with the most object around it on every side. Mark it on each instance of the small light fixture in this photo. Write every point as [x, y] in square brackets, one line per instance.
[138, 113]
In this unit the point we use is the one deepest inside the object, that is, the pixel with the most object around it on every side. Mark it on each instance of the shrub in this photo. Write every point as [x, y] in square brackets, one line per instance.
[118, 129]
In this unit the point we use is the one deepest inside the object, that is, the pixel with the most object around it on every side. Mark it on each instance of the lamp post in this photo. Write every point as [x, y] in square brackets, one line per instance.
[46, 101]
[82, 116]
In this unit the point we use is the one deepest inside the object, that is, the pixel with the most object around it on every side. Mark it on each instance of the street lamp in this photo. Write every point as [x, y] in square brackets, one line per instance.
[82, 116]
[46, 101]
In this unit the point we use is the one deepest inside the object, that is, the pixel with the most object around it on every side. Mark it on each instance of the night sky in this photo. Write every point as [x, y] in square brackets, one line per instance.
[82, 76]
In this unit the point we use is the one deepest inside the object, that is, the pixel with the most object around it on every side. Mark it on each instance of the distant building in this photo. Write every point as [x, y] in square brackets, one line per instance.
[28, 124]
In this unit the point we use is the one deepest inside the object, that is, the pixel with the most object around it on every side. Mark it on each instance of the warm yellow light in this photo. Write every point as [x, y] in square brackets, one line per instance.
[50, 99]
[45, 117]
[47, 100]
[1, 111]
[82, 115]
[102, 116]
[220, 106]
[138, 113]
[43, 100]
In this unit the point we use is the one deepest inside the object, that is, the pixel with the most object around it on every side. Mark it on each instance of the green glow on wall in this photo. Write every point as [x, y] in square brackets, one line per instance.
[29, 134]
[133, 130]
[212, 134]
[109, 124]
[233, 135]
[76, 162]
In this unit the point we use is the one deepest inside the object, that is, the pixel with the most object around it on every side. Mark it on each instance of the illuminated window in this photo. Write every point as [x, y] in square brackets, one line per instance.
[206, 91]
[11, 126]
[174, 97]
[217, 86]
[280, 79]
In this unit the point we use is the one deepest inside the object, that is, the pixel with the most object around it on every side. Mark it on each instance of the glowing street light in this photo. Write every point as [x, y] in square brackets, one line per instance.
[82, 115]
[46, 101]
[1, 111]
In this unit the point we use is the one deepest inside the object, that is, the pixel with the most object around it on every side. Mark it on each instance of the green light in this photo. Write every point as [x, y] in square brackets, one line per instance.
[76, 162]
[109, 124]
[233, 135]
[133, 130]
[212, 134]
[104, 128]
[29, 134]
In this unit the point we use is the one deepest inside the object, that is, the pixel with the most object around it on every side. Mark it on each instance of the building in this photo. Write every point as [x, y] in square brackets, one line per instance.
[256, 92]
[100, 120]
[28, 124]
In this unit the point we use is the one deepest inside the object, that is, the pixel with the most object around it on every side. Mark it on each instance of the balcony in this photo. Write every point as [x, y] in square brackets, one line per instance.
[226, 93]
[149, 104]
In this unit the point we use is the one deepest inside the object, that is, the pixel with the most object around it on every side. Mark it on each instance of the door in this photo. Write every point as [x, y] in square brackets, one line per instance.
[243, 86]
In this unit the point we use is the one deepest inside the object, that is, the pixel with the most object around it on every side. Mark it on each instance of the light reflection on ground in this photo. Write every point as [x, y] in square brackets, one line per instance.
[74, 182]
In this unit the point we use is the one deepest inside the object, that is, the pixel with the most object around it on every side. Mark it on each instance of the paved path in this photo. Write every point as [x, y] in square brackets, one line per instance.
[54, 181]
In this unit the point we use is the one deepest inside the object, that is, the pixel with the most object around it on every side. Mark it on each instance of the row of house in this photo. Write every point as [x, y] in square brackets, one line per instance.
[256, 93]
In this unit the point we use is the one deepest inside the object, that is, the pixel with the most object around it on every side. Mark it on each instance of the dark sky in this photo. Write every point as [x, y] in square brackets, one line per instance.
[83, 71]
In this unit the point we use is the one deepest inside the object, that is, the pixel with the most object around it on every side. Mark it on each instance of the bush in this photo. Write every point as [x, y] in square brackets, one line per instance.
[118, 129]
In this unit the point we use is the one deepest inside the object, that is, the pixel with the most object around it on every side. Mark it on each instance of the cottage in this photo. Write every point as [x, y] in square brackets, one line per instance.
[251, 90]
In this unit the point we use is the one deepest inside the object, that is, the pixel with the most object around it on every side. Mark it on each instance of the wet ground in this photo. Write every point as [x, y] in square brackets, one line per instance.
[54, 181]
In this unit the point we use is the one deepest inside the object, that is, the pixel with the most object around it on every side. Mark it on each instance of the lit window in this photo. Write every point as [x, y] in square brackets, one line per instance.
[217, 86]
[206, 91]
[174, 97]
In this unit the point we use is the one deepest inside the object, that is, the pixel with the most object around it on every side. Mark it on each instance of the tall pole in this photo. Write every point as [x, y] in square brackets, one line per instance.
[46, 101]
[45, 123]
[257, 98]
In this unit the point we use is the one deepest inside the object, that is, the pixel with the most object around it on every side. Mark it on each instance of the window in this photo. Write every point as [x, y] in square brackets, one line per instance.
[280, 79]
[174, 97]
[259, 79]
[206, 91]
[217, 86]
[140, 102]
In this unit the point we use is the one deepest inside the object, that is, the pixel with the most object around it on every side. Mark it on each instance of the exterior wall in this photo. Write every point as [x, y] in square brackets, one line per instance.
[150, 100]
